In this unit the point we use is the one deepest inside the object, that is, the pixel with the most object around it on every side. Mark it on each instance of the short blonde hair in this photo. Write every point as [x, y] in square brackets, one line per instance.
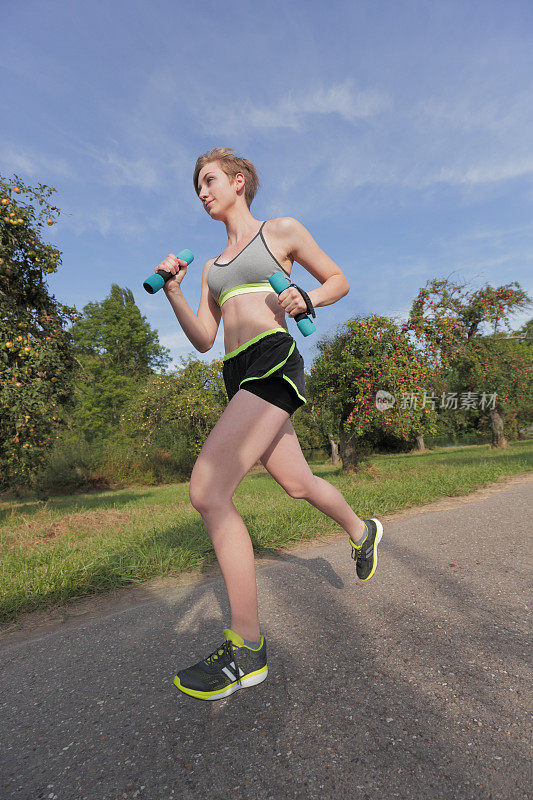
[230, 164]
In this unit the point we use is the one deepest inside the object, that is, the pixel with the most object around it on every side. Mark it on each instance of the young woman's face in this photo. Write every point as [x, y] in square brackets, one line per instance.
[215, 190]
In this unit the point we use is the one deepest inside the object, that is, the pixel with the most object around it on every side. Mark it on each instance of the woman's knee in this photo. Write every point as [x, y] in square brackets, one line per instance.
[204, 491]
[302, 491]
[203, 500]
[199, 495]
[246, 427]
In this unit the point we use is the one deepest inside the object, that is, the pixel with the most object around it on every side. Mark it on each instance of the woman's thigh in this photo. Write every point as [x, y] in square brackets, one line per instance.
[285, 461]
[246, 427]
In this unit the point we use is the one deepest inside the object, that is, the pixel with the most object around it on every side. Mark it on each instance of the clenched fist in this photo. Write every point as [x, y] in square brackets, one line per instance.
[292, 301]
[177, 267]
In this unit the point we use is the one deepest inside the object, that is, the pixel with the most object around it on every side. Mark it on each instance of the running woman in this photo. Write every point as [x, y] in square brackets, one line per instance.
[263, 374]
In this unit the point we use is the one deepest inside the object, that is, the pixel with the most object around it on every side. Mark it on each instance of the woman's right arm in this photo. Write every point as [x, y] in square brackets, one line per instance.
[191, 325]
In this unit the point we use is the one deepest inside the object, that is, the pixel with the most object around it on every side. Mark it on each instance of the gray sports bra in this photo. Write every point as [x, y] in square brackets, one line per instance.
[249, 271]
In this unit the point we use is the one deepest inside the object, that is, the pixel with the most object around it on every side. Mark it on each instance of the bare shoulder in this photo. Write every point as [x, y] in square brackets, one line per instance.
[284, 232]
[209, 263]
[290, 231]
[282, 226]
[301, 247]
[207, 266]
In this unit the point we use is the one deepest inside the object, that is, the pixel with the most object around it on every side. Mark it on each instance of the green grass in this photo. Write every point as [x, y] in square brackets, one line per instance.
[70, 547]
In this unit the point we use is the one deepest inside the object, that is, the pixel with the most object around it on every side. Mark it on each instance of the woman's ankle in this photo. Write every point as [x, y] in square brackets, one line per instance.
[252, 634]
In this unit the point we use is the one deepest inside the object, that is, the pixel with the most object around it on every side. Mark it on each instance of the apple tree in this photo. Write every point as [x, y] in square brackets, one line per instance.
[37, 362]
[369, 384]
[453, 323]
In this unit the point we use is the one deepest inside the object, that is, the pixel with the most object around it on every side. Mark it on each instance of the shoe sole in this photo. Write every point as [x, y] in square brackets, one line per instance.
[377, 540]
[252, 679]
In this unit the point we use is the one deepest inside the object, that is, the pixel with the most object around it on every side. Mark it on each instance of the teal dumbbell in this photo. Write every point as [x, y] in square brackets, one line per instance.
[279, 283]
[156, 281]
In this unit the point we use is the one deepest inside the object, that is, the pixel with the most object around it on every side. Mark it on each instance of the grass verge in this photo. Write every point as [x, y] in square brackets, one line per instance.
[71, 547]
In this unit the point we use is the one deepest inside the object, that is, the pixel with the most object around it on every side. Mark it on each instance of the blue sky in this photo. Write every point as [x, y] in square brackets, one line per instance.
[399, 133]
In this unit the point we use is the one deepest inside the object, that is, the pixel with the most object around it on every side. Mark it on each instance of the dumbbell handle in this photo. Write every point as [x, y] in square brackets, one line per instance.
[157, 280]
[279, 283]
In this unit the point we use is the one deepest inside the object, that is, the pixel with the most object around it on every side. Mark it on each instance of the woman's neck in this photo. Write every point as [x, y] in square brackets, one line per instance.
[240, 228]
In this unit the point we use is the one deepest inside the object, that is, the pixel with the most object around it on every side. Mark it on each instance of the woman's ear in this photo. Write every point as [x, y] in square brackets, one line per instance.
[239, 180]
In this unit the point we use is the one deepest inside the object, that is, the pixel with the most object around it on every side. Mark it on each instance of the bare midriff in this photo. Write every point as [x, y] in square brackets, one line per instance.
[247, 315]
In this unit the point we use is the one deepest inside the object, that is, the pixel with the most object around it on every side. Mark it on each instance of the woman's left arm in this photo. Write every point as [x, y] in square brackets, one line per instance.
[302, 248]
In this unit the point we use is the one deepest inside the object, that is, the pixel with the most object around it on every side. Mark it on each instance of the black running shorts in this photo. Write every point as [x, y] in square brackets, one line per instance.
[270, 366]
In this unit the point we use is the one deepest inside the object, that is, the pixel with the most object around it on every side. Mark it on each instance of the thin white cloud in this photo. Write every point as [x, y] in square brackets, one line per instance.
[107, 220]
[31, 162]
[35, 68]
[292, 109]
[146, 169]
[490, 234]
[488, 172]
[141, 173]
[472, 139]
[479, 104]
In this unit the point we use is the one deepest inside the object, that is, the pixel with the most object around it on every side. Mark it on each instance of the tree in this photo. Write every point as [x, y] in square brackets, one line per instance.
[116, 334]
[309, 433]
[524, 338]
[118, 352]
[326, 427]
[185, 405]
[450, 321]
[37, 363]
[366, 383]
[524, 334]
[501, 370]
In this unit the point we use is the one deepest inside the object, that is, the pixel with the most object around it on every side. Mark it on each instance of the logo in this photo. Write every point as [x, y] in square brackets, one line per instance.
[384, 400]
[409, 400]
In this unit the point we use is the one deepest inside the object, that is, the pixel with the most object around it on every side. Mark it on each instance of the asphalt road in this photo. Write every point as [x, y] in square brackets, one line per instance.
[415, 685]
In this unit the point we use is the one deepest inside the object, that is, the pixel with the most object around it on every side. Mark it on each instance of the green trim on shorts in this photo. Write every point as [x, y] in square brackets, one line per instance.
[256, 339]
[270, 371]
[295, 388]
